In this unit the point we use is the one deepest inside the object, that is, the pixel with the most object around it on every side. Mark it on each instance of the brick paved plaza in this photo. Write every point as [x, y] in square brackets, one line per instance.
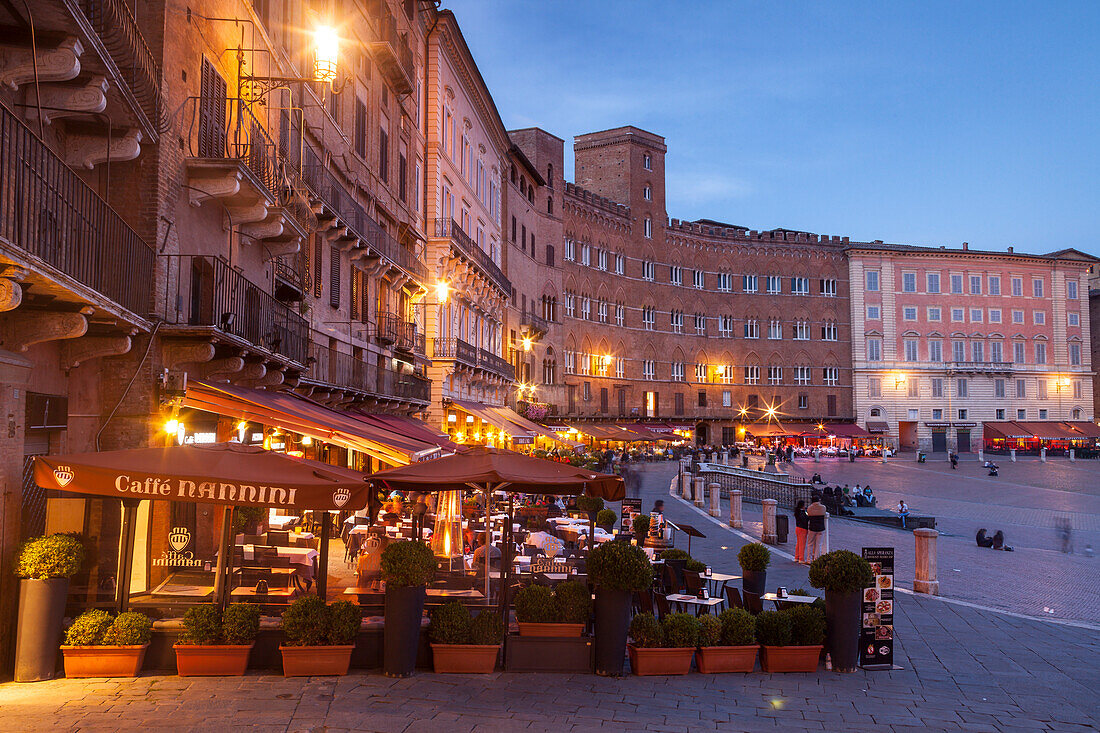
[961, 669]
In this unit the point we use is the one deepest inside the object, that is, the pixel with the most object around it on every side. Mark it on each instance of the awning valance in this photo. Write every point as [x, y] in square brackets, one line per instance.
[841, 430]
[1006, 430]
[488, 414]
[1085, 428]
[529, 426]
[606, 431]
[770, 430]
[1048, 430]
[878, 427]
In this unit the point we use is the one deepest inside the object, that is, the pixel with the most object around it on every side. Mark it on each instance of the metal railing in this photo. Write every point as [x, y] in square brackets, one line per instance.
[293, 269]
[398, 47]
[47, 211]
[494, 363]
[450, 229]
[535, 322]
[201, 290]
[394, 329]
[755, 486]
[348, 371]
[327, 187]
[225, 129]
[980, 366]
[454, 349]
[115, 25]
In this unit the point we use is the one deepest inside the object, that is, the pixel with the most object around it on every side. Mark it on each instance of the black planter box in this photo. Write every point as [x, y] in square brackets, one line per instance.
[549, 654]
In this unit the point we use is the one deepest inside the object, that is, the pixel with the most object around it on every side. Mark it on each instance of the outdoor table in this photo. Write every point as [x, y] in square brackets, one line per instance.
[302, 557]
[688, 600]
[789, 599]
[363, 591]
[281, 522]
[716, 582]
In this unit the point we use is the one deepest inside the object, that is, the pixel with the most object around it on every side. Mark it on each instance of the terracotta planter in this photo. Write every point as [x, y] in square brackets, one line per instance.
[718, 659]
[647, 662]
[790, 658]
[316, 661]
[199, 660]
[529, 628]
[465, 658]
[104, 661]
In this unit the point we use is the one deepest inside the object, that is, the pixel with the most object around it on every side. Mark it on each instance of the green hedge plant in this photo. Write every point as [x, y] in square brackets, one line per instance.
[841, 571]
[773, 628]
[407, 564]
[738, 627]
[589, 504]
[606, 518]
[51, 556]
[535, 604]
[640, 525]
[129, 629]
[450, 624]
[674, 553]
[344, 620]
[754, 557]
[710, 630]
[680, 631]
[487, 629]
[620, 566]
[695, 566]
[88, 628]
[202, 625]
[241, 623]
[807, 625]
[645, 631]
[574, 602]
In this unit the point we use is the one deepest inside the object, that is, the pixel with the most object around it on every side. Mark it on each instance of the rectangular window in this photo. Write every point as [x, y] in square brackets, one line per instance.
[909, 313]
[1075, 354]
[648, 369]
[800, 285]
[962, 413]
[914, 388]
[1076, 390]
[975, 284]
[994, 315]
[911, 350]
[830, 376]
[998, 388]
[725, 282]
[1040, 352]
[727, 398]
[933, 279]
[975, 315]
[334, 277]
[909, 282]
[874, 387]
[702, 398]
[962, 388]
[874, 349]
[402, 177]
[935, 350]
[994, 284]
[958, 351]
[1040, 318]
[648, 269]
[996, 351]
[1017, 316]
[1000, 413]
[752, 375]
[1018, 287]
[1037, 287]
[748, 283]
[774, 284]
[383, 154]
[698, 279]
[977, 351]
[935, 314]
[752, 329]
[676, 275]
[1071, 289]
[360, 128]
[872, 280]
[828, 287]
[802, 375]
[647, 228]
[958, 315]
[1021, 414]
[1074, 319]
[775, 375]
[1043, 413]
[1021, 389]
[937, 387]
[1018, 354]
[957, 284]
[873, 313]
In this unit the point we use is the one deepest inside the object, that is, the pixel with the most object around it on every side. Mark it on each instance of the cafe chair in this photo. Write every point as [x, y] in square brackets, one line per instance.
[754, 604]
[692, 584]
[662, 606]
[278, 538]
[733, 597]
[643, 601]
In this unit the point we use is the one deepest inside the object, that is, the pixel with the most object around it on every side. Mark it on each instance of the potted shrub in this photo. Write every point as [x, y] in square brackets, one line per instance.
[754, 559]
[617, 569]
[319, 638]
[727, 642]
[640, 527]
[574, 602]
[562, 612]
[842, 575]
[465, 645]
[662, 649]
[791, 640]
[45, 565]
[407, 568]
[216, 643]
[98, 646]
[605, 519]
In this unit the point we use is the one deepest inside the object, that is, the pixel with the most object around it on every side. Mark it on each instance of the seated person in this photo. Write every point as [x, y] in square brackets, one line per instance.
[487, 551]
[369, 563]
[982, 540]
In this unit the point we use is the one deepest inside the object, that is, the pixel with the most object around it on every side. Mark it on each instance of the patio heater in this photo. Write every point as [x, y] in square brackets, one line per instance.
[447, 533]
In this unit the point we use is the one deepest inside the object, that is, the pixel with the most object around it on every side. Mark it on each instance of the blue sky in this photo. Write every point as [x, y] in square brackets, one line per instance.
[915, 122]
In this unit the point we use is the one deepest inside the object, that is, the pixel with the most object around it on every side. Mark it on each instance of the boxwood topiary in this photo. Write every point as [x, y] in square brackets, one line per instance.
[695, 566]
[710, 630]
[773, 628]
[51, 556]
[487, 629]
[450, 624]
[807, 625]
[645, 631]
[305, 622]
[88, 628]
[841, 571]
[407, 564]
[589, 504]
[620, 566]
[738, 627]
[241, 623]
[129, 629]
[606, 518]
[344, 620]
[680, 631]
[202, 625]
[574, 602]
[754, 557]
[640, 525]
[674, 553]
[535, 604]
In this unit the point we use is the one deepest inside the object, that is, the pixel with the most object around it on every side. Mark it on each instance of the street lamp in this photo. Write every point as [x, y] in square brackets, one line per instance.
[326, 54]
[899, 379]
[442, 291]
[326, 50]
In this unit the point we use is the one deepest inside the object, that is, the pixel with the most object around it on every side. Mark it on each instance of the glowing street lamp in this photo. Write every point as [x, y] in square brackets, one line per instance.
[442, 291]
[326, 50]
[526, 343]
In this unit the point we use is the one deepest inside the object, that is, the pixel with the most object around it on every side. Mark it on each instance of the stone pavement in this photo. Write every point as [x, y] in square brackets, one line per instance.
[962, 669]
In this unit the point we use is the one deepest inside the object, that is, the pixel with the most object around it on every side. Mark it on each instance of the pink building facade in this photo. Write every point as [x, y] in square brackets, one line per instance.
[947, 340]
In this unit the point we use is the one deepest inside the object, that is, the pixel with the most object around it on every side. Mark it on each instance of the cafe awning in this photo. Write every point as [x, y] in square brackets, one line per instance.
[489, 414]
[1048, 430]
[878, 426]
[605, 431]
[770, 430]
[1087, 429]
[1005, 430]
[301, 415]
[230, 474]
[644, 431]
[529, 426]
[413, 428]
[841, 430]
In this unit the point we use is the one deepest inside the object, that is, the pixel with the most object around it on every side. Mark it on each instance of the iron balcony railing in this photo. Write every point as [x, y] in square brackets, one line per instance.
[47, 211]
[204, 291]
[328, 188]
[449, 228]
[399, 64]
[535, 322]
[492, 362]
[347, 371]
[456, 349]
[980, 366]
[391, 328]
[115, 25]
[226, 129]
[293, 270]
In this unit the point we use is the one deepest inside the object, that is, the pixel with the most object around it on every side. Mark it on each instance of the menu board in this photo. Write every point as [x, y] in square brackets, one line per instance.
[876, 639]
[631, 507]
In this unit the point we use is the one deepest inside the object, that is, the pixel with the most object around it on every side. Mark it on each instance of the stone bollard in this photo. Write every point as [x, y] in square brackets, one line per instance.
[715, 500]
[981, 456]
[767, 535]
[926, 580]
[825, 534]
[724, 459]
[1072, 455]
[710, 457]
[735, 508]
[685, 490]
[1012, 454]
[698, 491]
[884, 455]
[817, 455]
[1043, 454]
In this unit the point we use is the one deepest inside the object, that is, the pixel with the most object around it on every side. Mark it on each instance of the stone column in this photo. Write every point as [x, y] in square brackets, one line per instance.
[825, 534]
[735, 508]
[981, 455]
[715, 500]
[699, 491]
[817, 455]
[685, 489]
[710, 457]
[725, 458]
[1043, 454]
[1072, 455]
[926, 580]
[767, 535]
[1012, 454]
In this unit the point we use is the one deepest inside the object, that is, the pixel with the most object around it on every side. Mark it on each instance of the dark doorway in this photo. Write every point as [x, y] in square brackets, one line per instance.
[939, 441]
[701, 434]
[964, 441]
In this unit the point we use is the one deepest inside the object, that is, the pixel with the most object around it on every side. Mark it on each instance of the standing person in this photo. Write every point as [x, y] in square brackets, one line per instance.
[801, 523]
[954, 461]
[815, 528]
[903, 512]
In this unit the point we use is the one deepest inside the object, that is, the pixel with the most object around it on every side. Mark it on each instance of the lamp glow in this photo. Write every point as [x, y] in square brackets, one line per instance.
[607, 359]
[526, 343]
[306, 440]
[326, 50]
[442, 291]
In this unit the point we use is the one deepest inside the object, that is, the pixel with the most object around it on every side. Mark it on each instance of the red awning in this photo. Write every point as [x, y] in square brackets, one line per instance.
[604, 431]
[878, 427]
[413, 428]
[770, 430]
[1048, 430]
[1087, 429]
[643, 431]
[1007, 430]
[845, 430]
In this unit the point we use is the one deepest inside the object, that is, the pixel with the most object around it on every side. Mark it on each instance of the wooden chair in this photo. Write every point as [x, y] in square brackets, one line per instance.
[753, 603]
[733, 597]
[643, 601]
[278, 538]
[662, 605]
[692, 583]
[672, 580]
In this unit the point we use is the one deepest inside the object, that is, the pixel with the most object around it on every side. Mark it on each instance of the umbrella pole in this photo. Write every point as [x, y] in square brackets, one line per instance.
[488, 539]
[322, 570]
[223, 557]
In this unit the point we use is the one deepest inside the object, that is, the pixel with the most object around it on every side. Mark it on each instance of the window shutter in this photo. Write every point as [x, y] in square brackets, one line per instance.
[356, 294]
[318, 267]
[334, 278]
[212, 102]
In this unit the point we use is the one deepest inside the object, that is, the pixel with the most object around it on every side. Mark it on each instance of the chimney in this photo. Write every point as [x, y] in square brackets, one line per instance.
[966, 246]
[1010, 250]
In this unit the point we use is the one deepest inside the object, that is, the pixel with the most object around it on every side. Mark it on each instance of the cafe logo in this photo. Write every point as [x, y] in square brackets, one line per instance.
[64, 475]
[340, 497]
[179, 538]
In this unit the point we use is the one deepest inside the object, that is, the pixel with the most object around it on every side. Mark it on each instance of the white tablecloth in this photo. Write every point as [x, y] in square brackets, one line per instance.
[301, 557]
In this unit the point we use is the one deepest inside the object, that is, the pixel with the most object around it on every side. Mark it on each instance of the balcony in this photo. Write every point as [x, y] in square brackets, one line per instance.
[391, 51]
[205, 295]
[50, 217]
[498, 365]
[391, 329]
[987, 367]
[370, 381]
[469, 249]
[455, 349]
[292, 277]
[534, 324]
[341, 205]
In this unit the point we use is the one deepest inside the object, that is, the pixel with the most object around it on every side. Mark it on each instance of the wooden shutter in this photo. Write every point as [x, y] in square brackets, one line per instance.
[334, 277]
[603, 400]
[356, 292]
[212, 102]
[383, 154]
[318, 267]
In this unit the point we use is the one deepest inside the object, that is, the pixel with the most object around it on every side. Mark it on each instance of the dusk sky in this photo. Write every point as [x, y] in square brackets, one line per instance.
[928, 123]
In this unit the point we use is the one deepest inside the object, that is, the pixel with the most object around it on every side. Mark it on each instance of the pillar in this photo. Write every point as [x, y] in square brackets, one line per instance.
[698, 492]
[884, 454]
[1043, 454]
[1072, 455]
[926, 580]
[724, 459]
[735, 508]
[1012, 454]
[685, 489]
[767, 535]
[817, 455]
[710, 457]
[825, 534]
[715, 500]
[981, 455]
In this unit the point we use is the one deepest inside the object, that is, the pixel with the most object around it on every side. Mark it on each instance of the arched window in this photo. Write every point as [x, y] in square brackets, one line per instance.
[549, 204]
[523, 185]
[531, 194]
[512, 175]
[550, 175]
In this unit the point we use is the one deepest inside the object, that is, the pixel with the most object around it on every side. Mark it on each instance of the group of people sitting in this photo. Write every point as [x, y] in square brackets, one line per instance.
[996, 542]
